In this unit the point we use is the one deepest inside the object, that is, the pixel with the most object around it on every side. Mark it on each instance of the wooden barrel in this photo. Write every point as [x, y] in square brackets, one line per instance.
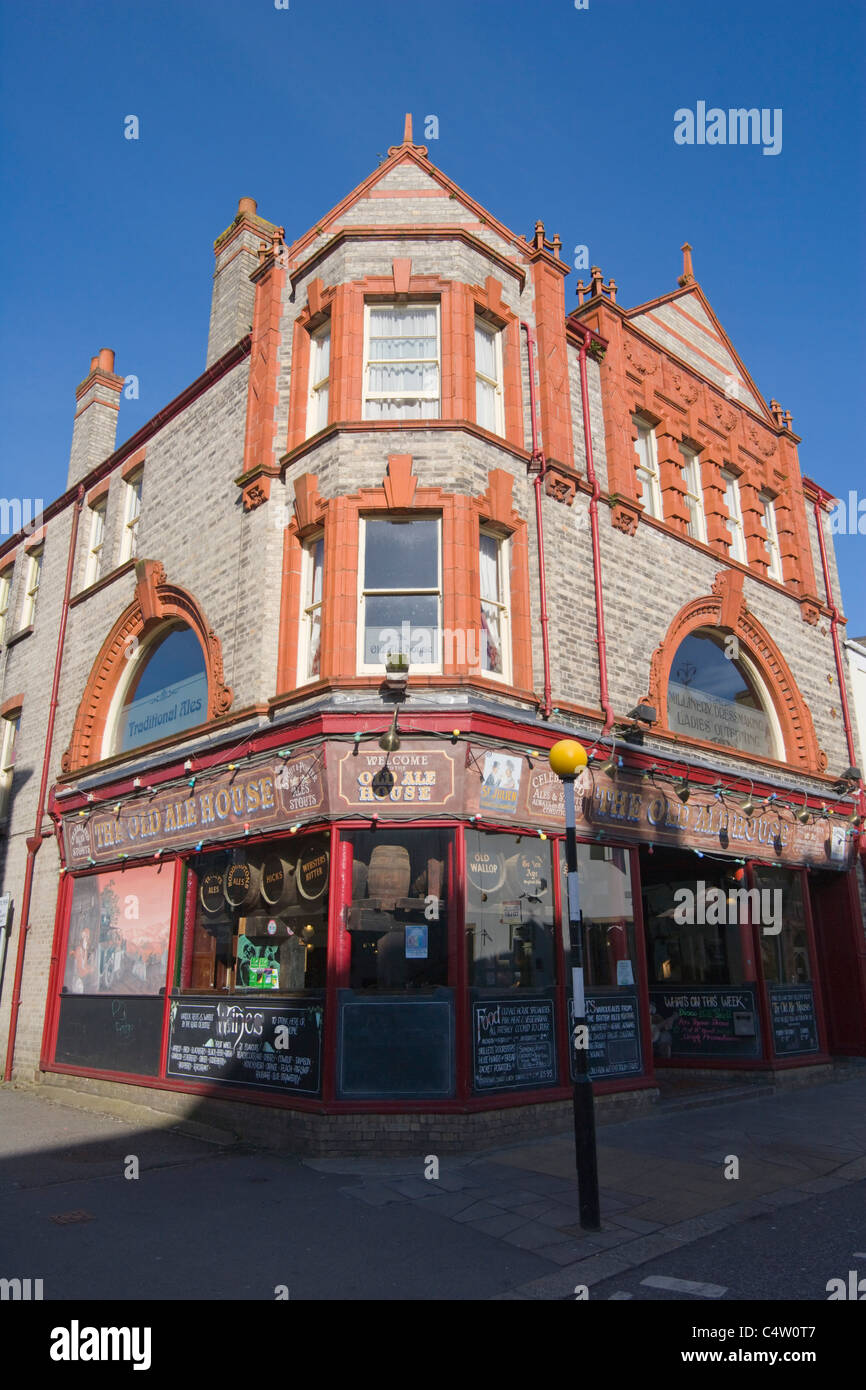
[389, 874]
[359, 879]
[241, 883]
[279, 886]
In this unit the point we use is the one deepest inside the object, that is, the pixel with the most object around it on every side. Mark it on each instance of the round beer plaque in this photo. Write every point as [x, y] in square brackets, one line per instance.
[210, 892]
[312, 873]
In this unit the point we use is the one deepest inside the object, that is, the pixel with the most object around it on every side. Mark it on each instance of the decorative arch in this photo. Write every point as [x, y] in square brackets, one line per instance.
[725, 608]
[156, 602]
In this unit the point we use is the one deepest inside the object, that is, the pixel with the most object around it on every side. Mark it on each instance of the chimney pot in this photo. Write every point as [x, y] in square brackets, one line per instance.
[94, 363]
[247, 205]
[106, 360]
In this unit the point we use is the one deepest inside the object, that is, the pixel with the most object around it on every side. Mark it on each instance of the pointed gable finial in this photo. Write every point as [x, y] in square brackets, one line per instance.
[687, 277]
[407, 129]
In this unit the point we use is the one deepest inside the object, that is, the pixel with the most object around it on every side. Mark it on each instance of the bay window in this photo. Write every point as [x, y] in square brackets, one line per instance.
[320, 369]
[311, 618]
[488, 377]
[400, 592]
[401, 362]
[495, 637]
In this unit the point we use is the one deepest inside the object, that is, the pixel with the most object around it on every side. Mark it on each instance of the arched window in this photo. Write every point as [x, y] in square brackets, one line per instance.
[715, 694]
[165, 692]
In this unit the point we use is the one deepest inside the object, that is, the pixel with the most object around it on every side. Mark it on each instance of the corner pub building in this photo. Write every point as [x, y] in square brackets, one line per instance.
[279, 678]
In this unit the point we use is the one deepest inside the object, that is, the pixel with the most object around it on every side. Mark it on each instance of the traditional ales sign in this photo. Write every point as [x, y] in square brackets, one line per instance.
[417, 778]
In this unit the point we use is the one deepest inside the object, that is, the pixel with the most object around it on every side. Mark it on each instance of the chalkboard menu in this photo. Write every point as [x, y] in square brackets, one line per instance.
[705, 1022]
[614, 1035]
[792, 1015]
[267, 1045]
[513, 1043]
[395, 1047]
[110, 1033]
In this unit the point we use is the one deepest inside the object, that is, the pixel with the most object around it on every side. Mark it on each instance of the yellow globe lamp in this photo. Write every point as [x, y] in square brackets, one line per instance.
[567, 758]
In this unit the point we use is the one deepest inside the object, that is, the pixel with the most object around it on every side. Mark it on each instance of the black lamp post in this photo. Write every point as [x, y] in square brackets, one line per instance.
[567, 759]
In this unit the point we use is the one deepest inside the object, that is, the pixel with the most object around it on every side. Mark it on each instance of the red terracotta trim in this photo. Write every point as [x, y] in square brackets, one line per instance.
[11, 706]
[98, 493]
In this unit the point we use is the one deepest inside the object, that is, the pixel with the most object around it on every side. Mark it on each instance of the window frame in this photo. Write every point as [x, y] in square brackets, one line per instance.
[421, 668]
[503, 603]
[484, 325]
[32, 583]
[309, 607]
[95, 549]
[319, 388]
[694, 494]
[771, 529]
[651, 495]
[367, 395]
[6, 577]
[131, 515]
[142, 654]
[734, 521]
[8, 741]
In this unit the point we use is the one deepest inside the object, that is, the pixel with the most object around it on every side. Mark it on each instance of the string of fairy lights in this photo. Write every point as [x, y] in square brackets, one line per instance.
[753, 809]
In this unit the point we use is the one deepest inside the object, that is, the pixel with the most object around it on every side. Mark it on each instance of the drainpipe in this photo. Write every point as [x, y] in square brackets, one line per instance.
[819, 501]
[601, 642]
[539, 461]
[35, 841]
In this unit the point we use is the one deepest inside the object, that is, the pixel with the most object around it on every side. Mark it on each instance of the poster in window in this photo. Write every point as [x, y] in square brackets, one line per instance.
[119, 927]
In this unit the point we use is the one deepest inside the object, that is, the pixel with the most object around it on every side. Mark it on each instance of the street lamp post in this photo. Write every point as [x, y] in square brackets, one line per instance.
[567, 759]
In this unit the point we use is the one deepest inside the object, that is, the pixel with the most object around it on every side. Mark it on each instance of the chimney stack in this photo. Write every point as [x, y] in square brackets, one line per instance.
[94, 431]
[237, 256]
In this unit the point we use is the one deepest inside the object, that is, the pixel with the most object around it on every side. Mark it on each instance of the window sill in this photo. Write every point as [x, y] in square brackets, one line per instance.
[19, 635]
[102, 582]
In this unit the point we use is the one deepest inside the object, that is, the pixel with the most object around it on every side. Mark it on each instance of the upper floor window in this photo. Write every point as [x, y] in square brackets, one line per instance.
[735, 517]
[401, 362]
[131, 516]
[694, 493]
[772, 538]
[8, 738]
[400, 593]
[165, 692]
[94, 547]
[320, 375]
[488, 377]
[5, 597]
[648, 469]
[311, 617]
[717, 697]
[31, 586]
[495, 643]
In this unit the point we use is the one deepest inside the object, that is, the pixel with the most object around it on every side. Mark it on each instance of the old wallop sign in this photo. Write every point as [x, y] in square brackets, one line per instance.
[221, 806]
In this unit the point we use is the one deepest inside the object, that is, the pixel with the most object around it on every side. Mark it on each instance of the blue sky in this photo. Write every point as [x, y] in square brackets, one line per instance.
[544, 111]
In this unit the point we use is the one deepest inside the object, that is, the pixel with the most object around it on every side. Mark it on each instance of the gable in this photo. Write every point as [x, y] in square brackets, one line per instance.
[682, 324]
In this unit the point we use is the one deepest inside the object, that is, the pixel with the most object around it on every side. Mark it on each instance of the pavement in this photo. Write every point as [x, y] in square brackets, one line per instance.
[500, 1225]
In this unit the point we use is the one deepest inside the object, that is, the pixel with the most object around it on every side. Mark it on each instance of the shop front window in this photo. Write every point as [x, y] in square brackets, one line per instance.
[784, 938]
[604, 879]
[399, 911]
[509, 912]
[693, 921]
[261, 918]
[713, 695]
[118, 932]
